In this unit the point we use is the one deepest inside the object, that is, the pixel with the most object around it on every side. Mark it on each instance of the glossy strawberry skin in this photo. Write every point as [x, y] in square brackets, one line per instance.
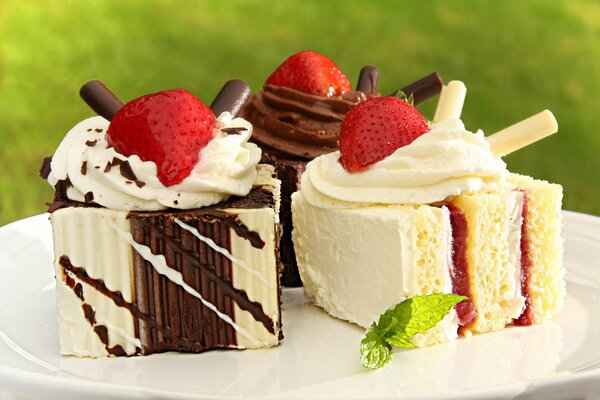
[169, 128]
[376, 128]
[311, 73]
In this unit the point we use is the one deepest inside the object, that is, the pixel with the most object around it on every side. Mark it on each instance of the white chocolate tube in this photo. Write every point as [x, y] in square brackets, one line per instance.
[523, 133]
[452, 99]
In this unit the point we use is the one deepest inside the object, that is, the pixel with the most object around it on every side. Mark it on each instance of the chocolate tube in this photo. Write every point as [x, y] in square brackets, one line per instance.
[423, 89]
[100, 99]
[367, 80]
[231, 98]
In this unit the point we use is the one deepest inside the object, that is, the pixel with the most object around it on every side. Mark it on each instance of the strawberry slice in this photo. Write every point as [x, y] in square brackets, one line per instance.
[169, 128]
[377, 127]
[311, 73]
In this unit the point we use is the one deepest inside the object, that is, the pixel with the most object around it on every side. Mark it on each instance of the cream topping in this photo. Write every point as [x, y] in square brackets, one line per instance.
[446, 161]
[226, 167]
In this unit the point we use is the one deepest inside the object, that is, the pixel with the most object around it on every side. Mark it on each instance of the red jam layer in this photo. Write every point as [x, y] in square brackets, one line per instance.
[527, 317]
[459, 271]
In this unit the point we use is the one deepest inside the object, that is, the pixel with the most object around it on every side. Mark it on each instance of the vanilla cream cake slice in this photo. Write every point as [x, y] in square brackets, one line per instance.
[405, 208]
[501, 249]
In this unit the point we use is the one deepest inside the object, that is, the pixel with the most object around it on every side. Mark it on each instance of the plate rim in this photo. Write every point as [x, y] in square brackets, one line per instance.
[13, 376]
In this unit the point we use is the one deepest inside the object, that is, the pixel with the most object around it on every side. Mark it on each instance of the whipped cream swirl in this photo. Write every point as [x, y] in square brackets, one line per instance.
[446, 161]
[226, 167]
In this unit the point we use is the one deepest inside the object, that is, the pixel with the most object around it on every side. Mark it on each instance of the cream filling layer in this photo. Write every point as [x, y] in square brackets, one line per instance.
[515, 298]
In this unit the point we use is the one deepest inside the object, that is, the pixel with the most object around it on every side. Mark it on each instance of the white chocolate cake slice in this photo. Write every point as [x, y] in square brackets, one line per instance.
[133, 283]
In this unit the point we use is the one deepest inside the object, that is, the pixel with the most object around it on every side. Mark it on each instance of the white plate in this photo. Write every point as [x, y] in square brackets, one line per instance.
[318, 358]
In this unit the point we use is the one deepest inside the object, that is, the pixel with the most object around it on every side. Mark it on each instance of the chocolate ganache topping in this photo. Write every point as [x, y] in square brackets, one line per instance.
[294, 125]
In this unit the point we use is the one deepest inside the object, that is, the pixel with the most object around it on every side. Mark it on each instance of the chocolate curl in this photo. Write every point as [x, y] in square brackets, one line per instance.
[231, 98]
[100, 99]
[368, 79]
[423, 89]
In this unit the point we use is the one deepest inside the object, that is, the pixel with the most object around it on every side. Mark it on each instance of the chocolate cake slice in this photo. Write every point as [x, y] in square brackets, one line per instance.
[197, 279]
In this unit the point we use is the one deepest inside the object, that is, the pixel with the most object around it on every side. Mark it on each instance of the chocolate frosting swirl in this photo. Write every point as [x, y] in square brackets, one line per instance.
[294, 125]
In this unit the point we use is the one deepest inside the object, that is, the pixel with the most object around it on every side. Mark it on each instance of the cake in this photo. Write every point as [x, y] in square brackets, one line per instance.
[406, 209]
[163, 251]
[297, 116]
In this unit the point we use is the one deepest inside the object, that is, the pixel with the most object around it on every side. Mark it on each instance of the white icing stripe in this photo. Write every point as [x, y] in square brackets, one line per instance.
[121, 332]
[99, 321]
[159, 263]
[221, 250]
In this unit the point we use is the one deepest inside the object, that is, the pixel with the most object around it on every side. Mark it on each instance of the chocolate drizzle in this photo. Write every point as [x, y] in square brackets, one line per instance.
[88, 311]
[296, 125]
[118, 299]
[233, 222]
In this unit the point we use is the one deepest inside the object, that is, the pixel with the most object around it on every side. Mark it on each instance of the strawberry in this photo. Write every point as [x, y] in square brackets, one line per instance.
[377, 127]
[311, 73]
[169, 128]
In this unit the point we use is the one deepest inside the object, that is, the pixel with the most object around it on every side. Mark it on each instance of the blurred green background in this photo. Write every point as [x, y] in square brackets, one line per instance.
[516, 58]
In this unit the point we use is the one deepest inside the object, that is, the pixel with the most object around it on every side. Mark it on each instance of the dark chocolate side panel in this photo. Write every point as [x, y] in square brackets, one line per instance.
[288, 172]
[207, 271]
[167, 302]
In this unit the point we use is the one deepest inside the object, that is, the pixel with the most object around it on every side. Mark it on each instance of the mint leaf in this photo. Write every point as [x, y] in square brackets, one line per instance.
[374, 351]
[399, 324]
[417, 315]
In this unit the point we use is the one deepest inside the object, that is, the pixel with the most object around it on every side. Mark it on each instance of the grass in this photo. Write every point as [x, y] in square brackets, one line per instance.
[516, 58]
